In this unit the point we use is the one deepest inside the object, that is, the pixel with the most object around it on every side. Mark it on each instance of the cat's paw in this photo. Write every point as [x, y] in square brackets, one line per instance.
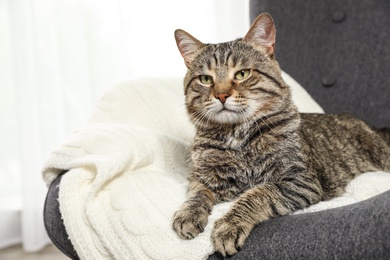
[229, 236]
[189, 223]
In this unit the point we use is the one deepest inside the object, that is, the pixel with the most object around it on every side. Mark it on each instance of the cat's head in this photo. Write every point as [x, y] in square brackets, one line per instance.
[233, 82]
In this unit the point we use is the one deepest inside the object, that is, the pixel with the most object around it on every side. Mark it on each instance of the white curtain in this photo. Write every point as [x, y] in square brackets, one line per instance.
[58, 56]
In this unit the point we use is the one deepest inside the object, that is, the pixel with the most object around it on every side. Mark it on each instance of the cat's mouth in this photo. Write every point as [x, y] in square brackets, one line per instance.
[226, 109]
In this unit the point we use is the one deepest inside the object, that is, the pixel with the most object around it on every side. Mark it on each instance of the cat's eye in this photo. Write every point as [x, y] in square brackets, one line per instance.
[206, 79]
[242, 74]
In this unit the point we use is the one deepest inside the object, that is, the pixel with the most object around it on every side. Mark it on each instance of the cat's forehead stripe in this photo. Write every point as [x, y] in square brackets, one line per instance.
[219, 55]
[223, 51]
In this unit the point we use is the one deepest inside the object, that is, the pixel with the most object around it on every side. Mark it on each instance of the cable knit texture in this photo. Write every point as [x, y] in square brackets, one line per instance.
[127, 170]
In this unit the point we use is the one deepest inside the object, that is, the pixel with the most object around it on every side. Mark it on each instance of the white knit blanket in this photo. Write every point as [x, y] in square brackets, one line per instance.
[127, 175]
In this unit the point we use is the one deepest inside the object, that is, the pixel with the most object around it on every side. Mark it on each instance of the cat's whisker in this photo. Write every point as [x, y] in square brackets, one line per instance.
[206, 115]
[209, 114]
[262, 119]
[200, 115]
[254, 119]
[241, 112]
[181, 105]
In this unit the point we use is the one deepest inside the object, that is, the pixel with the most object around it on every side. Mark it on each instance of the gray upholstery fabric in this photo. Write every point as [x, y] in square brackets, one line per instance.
[53, 221]
[339, 50]
[357, 231]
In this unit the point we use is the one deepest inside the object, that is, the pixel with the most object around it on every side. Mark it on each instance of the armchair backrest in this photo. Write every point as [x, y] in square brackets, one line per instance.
[339, 50]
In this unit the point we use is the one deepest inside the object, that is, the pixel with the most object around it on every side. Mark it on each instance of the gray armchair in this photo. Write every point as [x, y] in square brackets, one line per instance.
[339, 51]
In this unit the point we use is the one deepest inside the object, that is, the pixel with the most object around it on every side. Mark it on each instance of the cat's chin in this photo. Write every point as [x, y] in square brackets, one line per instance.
[226, 116]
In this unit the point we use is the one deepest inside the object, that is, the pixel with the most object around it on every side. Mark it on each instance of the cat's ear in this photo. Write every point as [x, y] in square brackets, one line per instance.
[188, 45]
[262, 34]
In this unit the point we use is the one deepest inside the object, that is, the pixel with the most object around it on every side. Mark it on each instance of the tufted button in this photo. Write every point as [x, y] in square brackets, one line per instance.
[338, 16]
[328, 81]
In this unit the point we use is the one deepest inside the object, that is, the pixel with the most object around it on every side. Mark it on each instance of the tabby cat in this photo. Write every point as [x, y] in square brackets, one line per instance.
[251, 144]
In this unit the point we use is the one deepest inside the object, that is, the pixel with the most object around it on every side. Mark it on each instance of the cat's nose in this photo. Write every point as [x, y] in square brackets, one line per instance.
[222, 97]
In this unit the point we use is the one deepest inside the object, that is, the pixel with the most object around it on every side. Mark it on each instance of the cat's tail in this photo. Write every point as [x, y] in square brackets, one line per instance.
[384, 133]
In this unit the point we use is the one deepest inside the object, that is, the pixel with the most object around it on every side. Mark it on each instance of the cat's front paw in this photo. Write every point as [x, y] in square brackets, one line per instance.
[229, 236]
[189, 223]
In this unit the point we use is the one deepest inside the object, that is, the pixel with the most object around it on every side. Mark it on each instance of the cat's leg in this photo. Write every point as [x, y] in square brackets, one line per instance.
[259, 204]
[192, 217]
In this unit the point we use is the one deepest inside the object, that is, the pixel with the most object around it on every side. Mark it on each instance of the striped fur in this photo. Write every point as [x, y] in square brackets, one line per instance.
[253, 147]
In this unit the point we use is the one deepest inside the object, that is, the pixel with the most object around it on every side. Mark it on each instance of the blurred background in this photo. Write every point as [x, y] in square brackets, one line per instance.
[57, 57]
